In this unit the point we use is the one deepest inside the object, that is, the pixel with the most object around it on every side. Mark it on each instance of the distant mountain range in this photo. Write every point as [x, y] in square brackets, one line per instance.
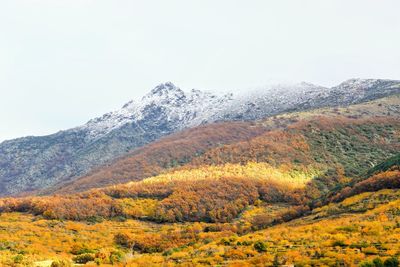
[35, 163]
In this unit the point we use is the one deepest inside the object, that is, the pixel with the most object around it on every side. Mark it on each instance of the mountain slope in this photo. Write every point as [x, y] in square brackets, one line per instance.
[274, 100]
[188, 146]
[31, 163]
[385, 175]
[298, 164]
[168, 152]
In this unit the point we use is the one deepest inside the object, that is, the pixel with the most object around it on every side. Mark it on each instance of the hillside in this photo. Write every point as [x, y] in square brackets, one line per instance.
[354, 238]
[384, 175]
[298, 164]
[386, 165]
[31, 163]
[188, 148]
[354, 232]
[164, 154]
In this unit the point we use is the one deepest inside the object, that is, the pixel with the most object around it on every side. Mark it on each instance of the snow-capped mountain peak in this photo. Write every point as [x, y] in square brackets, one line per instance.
[166, 90]
[165, 102]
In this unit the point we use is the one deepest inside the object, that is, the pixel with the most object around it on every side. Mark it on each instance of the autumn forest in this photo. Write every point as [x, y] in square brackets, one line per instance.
[311, 188]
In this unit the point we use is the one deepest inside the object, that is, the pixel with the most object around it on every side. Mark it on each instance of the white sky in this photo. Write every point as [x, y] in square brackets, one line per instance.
[63, 62]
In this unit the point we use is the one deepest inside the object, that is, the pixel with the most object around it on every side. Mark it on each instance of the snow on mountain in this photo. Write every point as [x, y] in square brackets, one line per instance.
[186, 109]
[273, 99]
[31, 163]
[358, 84]
[192, 108]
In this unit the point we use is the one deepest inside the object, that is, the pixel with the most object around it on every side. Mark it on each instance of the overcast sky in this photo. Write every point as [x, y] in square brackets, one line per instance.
[63, 62]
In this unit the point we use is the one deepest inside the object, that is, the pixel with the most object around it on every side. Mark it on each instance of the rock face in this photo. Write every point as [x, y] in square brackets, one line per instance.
[31, 163]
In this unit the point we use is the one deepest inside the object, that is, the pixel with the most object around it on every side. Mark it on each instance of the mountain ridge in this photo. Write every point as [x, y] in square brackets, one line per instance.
[31, 163]
[183, 147]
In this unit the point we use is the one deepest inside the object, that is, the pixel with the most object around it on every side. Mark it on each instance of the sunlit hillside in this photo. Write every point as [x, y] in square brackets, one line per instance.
[296, 176]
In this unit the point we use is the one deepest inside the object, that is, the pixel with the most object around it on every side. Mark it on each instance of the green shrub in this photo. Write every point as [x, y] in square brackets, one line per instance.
[338, 243]
[18, 259]
[391, 262]
[83, 258]
[116, 256]
[378, 262]
[94, 219]
[260, 246]
[79, 249]
[123, 240]
[224, 242]
[247, 243]
[207, 240]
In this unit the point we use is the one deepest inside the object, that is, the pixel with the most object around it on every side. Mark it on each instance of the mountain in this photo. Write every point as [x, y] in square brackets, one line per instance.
[166, 153]
[297, 164]
[309, 187]
[234, 142]
[274, 100]
[32, 163]
[166, 108]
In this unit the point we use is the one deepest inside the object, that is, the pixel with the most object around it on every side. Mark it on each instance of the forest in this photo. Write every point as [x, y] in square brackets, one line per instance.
[317, 188]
